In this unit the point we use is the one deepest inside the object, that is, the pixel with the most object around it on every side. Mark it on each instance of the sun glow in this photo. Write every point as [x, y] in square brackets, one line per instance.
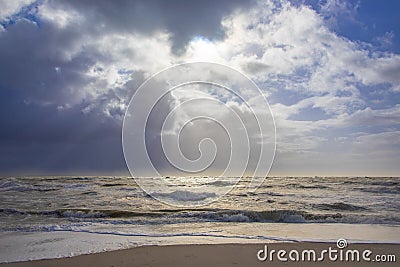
[202, 49]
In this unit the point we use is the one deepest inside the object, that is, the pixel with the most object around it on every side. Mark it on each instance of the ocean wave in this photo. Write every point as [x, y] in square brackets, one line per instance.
[205, 215]
[285, 216]
[386, 183]
[19, 187]
[183, 195]
[222, 183]
[113, 184]
[380, 189]
[80, 178]
[80, 213]
[305, 186]
[339, 206]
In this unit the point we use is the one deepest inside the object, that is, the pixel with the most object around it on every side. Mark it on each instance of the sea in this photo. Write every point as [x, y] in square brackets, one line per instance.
[62, 216]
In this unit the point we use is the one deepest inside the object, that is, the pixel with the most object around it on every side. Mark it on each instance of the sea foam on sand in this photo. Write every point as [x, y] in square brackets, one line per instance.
[23, 246]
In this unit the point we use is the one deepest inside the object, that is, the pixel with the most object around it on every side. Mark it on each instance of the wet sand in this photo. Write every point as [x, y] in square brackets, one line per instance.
[218, 255]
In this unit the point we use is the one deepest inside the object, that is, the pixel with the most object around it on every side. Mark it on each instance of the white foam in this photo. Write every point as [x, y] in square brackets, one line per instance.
[293, 218]
[86, 239]
[48, 245]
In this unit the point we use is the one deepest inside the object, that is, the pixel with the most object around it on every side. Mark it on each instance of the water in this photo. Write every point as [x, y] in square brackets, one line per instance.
[35, 203]
[283, 208]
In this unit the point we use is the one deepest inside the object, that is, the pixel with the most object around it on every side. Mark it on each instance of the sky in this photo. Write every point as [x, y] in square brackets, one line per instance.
[329, 69]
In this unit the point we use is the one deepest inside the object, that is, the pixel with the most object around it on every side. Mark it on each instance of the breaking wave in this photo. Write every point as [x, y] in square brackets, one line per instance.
[211, 215]
[339, 206]
[182, 195]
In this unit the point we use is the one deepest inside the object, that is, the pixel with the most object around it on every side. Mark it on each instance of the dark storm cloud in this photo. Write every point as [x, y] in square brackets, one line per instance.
[49, 122]
[35, 135]
[32, 54]
[40, 139]
[183, 19]
[41, 52]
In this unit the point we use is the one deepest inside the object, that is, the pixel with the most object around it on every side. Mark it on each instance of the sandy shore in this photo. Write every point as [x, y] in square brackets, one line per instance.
[215, 255]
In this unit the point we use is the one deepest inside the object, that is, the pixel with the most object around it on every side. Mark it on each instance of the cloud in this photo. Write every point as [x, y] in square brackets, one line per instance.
[9, 8]
[336, 11]
[378, 145]
[181, 19]
[71, 68]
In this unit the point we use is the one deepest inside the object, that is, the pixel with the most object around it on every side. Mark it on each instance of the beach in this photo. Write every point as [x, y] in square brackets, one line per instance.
[199, 133]
[68, 248]
[110, 221]
[210, 255]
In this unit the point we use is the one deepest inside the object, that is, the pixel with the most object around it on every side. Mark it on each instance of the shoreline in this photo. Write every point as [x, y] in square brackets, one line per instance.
[32, 246]
[227, 254]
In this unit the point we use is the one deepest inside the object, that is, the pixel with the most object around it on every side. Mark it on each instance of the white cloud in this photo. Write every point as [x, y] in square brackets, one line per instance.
[9, 8]
[377, 144]
[60, 17]
[334, 10]
[367, 117]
